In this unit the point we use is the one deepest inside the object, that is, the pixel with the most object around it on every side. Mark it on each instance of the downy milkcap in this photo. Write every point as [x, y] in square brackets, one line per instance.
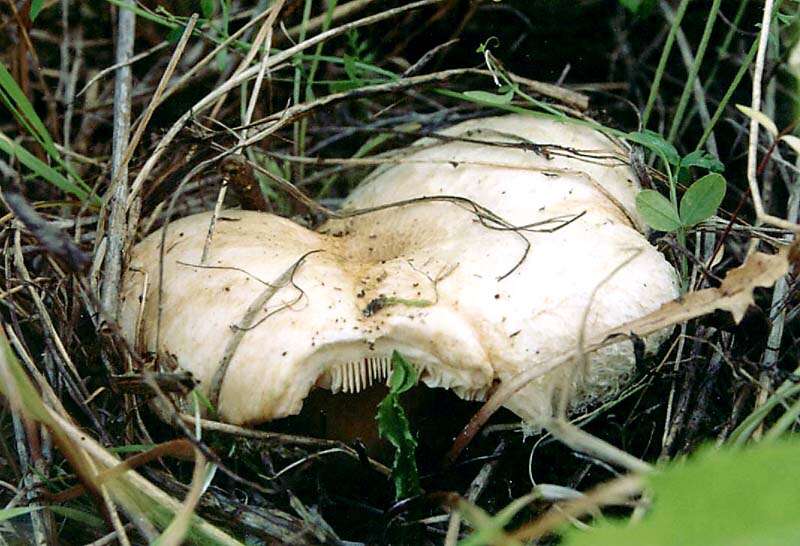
[483, 253]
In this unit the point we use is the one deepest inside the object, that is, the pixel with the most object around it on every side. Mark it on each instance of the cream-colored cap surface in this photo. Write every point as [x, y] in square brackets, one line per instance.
[494, 261]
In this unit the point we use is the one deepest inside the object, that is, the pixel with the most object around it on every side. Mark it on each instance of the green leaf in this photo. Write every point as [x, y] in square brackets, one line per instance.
[222, 59]
[704, 160]
[175, 34]
[404, 376]
[15, 100]
[792, 141]
[226, 15]
[18, 104]
[491, 98]
[147, 14]
[78, 515]
[657, 211]
[761, 118]
[393, 425]
[43, 170]
[131, 448]
[656, 143]
[638, 7]
[36, 8]
[702, 199]
[208, 7]
[717, 498]
[9, 513]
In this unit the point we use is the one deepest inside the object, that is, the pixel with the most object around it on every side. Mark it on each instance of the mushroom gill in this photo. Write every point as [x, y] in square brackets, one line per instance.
[484, 252]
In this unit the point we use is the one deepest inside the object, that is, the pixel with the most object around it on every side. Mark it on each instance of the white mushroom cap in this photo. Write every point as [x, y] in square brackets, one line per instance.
[460, 294]
[313, 330]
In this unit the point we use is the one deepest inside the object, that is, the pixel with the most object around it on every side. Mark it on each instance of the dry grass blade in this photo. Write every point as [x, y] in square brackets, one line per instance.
[138, 496]
[137, 491]
[176, 532]
[117, 233]
[263, 37]
[155, 100]
[176, 448]
[251, 72]
[752, 149]
[615, 492]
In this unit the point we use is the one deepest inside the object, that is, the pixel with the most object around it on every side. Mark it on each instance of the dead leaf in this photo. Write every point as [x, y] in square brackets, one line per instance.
[717, 258]
[734, 295]
[761, 118]
[792, 141]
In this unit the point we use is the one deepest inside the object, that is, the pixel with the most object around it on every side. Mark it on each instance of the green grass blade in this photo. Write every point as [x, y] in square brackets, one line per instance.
[722, 50]
[13, 98]
[45, 171]
[662, 62]
[144, 14]
[357, 63]
[9, 513]
[693, 71]
[318, 51]
[16, 101]
[79, 516]
[729, 93]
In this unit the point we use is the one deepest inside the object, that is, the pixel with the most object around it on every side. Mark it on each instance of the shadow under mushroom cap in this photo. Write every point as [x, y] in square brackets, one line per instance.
[497, 256]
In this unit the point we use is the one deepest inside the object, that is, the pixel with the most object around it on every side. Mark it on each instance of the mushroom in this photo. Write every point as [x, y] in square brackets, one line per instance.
[486, 250]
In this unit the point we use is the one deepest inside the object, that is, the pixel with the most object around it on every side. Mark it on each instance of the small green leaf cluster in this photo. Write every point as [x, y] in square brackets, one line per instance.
[700, 201]
[394, 426]
[357, 64]
[507, 88]
[658, 144]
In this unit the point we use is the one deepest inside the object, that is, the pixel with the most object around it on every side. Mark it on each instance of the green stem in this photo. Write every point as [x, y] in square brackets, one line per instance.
[298, 130]
[315, 59]
[783, 394]
[662, 62]
[684, 261]
[785, 422]
[722, 51]
[693, 71]
[729, 93]
[681, 233]
[309, 92]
